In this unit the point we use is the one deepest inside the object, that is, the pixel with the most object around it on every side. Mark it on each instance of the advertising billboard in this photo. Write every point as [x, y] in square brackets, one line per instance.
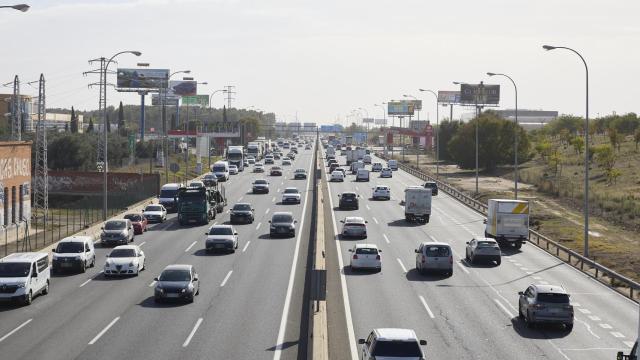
[199, 100]
[367, 120]
[183, 87]
[400, 108]
[449, 97]
[380, 121]
[479, 94]
[142, 78]
[171, 100]
[417, 104]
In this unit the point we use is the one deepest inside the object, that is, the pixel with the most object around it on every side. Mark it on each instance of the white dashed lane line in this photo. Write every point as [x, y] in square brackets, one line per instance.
[258, 227]
[15, 330]
[402, 265]
[190, 246]
[246, 246]
[386, 238]
[193, 331]
[226, 278]
[375, 220]
[504, 308]
[267, 211]
[84, 283]
[93, 341]
[152, 283]
[142, 243]
[424, 303]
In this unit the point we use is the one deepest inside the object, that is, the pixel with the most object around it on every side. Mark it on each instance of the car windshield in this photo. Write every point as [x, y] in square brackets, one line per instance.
[553, 298]
[14, 269]
[349, 195]
[397, 349]
[70, 247]
[367, 251]
[290, 191]
[234, 167]
[153, 208]
[437, 251]
[299, 170]
[175, 275]
[221, 231]
[282, 219]
[261, 182]
[242, 207]
[219, 168]
[168, 193]
[430, 185]
[115, 225]
[133, 217]
[122, 253]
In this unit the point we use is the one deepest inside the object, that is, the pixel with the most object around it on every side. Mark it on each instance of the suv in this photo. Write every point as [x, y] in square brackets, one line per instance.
[282, 223]
[275, 171]
[74, 252]
[260, 186]
[434, 256]
[362, 175]
[348, 200]
[481, 248]
[393, 344]
[545, 304]
[117, 232]
[433, 186]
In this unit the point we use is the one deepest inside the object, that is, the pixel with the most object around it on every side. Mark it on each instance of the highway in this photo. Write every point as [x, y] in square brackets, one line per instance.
[249, 307]
[473, 314]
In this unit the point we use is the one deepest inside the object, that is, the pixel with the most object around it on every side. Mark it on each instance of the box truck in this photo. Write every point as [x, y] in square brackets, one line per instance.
[417, 204]
[508, 222]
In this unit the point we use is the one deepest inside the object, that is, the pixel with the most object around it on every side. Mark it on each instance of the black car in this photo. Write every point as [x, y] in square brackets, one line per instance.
[210, 180]
[348, 200]
[241, 213]
[433, 186]
[282, 224]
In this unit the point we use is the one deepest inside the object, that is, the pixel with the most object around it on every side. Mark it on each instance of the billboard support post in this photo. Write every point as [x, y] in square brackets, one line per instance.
[142, 95]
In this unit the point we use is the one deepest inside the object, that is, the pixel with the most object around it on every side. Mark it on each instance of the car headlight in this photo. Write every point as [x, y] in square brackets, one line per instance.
[131, 263]
[78, 257]
[183, 291]
[21, 285]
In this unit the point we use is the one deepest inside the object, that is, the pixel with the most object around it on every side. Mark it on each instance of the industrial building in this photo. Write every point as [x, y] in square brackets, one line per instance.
[15, 182]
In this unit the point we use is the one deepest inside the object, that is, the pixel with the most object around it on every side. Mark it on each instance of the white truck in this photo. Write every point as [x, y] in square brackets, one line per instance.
[254, 149]
[507, 222]
[354, 155]
[331, 151]
[417, 204]
[235, 156]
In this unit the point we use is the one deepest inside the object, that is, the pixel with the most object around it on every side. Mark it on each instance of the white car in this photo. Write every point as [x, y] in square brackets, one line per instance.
[268, 159]
[221, 237]
[291, 195]
[354, 226]
[389, 343]
[197, 184]
[337, 175]
[386, 173]
[251, 160]
[365, 256]
[74, 252]
[124, 260]
[258, 168]
[381, 192]
[155, 213]
[286, 161]
[233, 169]
[376, 167]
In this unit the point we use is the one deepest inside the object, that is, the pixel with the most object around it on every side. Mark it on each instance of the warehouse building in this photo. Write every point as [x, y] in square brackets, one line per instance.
[15, 182]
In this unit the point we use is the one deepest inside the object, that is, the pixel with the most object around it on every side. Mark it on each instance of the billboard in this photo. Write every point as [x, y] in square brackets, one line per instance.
[367, 120]
[400, 108]
[142, 78]
[171, 100]
[183, 87]
[479, 94]
[449, 97]
[417, 104]
[200, 100]
[380, 121]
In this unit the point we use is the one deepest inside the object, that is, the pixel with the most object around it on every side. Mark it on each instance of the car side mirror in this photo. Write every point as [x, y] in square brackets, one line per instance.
[350, 250]
[269, 221]
[423, 342]
[142, 210]
[342, 221]
[360, 341]
[379, 250]
[155, 279]
[416, 251]
[620, 355]
[88, 250]
[206, 233]
[235, 233]
[366, 221]
[520, 293]
[141, 254]
[195, 278]
[295, 221]
[467, 243]
[107, 255]
[102, 228]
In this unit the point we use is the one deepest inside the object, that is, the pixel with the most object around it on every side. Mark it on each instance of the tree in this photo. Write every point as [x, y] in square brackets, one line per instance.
[90, 127]
[614, 138]
[555, 162]
[543, 148]
[572, 124]
[66, 127]
[578, 144]
[74, 121]
[121, 125]
[605, 156]
[446, 132]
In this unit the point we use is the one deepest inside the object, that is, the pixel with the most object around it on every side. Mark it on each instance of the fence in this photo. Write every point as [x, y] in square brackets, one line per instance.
[618, 282]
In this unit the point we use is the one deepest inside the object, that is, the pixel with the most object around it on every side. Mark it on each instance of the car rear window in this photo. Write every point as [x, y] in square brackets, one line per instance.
[553, 298]
[486, 244]
[348, 196]
[367, 251]
[397, 349]
[437, 251]
[290, 191]
[260, 182]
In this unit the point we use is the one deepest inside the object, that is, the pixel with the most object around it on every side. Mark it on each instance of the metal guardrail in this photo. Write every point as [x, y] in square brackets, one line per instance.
[618, 282]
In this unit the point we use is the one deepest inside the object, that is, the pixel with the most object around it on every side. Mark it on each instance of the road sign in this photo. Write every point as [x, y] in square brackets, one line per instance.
[100, 165]
[174, 167]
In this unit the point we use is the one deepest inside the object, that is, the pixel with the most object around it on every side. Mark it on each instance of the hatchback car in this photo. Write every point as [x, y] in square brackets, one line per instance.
[241, 213]
[117, 232]
[337, 175]
[260, 186]
[434, 256]
[348, 200]
[482, 248]
[210, 180]
[545, 304]
[275, 171]
[177, 282]
[354, 226]
[300, 174]
[268, 159]
[381, 192]
[282, 223]
[376, 166]
[155, 213]
[392, 344]
[221, 238]
[124, 260]
[233, 169]
[291, 195]
[139, 222]
[386, 173]
[258, 168]
[365, 256]
[433, 186]
[286, 162]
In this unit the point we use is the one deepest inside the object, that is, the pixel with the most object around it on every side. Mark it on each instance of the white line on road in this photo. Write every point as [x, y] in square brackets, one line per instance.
[617, 334]
[226, 278]
[152, 283]
[606, 326]
[424, 303]
[193, 331]
[240, 198]
[278, 190]
[593, 317]
[84, 283]
[357, 189]
[368, 208]
[273, 199]
[258, 227]
[386, 238]
[267, 211]
[246, 246]
[15, 330]
[93, 341]
[504, 308]
[464, 268]
[142, 243]
[433, 238]
[190, 246]
[401, 265]
[629, 344]
[376, 220]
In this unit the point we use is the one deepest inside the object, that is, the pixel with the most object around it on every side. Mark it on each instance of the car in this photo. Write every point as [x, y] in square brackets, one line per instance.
[333, 167]
[433, 186]
[308, 147]
[482, 248]
[366, 159]
[343, 171]
[221, 237]
[354, 226]
[155, 213]
[245, 163]
[251, 159]
[177, 282]
[329, 158]
[233, 169]
[365, 256]
[434, 256]
[268, 159]
[260, 186]
[331, 161]
[73, 253]
[210, 180]
[376, 167]
[291, 155]
[24, 275]
[300, 174]
[286, 162]
[362, 175]
[337, 175]
[386, 173]
[139, 222]
[300, 145]
[381, 192]
[282, 223]
[124, 260]
[196, 184]
[390, 343]
[348, 200]
[117, 232]
[258, 168]
[392, 164]
[242, 213]
[634, 354]
[291, 195]
[275, 171]
[545, 304]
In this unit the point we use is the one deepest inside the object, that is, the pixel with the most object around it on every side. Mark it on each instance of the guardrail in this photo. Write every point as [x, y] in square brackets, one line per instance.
[618, 282]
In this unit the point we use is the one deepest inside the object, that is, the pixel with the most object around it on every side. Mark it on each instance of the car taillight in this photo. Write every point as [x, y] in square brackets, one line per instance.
[355, 257]
[450, 259]
[424, 259]
[377, 257]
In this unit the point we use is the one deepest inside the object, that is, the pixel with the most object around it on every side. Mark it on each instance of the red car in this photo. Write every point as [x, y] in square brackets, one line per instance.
[139, 222]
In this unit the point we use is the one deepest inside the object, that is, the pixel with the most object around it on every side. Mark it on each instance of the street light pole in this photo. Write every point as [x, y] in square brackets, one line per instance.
[437, 132]
[366, 141]
[586, 151]
[517, 130]
[165, 151]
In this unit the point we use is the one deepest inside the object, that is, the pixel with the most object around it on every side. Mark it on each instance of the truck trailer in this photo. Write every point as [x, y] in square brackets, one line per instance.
[417, 204]
[508, 222]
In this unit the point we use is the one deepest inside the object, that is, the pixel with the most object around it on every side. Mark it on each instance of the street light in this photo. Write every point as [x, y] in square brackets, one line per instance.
[586, 151]
[437, 131]
[164, 123]
[19, 7]
[105, 132]
[515, 145]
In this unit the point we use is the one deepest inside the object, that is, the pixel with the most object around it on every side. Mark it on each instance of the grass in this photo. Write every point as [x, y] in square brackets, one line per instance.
[180, 176]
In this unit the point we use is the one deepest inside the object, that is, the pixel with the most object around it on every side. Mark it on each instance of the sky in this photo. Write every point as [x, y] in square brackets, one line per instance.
[320, 60]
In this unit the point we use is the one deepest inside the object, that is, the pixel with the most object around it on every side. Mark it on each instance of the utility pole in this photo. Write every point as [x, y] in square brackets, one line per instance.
[102, 100]
[16, 111]
[229, 89]
[41, 179]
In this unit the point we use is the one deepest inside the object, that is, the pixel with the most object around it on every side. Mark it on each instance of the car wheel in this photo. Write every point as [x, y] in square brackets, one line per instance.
[83, 268]
[28, 298]
[93, 261]
[530, 323]
[498, 261]
[45, 291]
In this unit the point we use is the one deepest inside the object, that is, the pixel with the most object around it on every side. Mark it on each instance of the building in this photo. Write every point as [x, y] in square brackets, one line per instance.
[15, 182]
[58, 121]
[26, 102]
[52, 121]
[529, 119]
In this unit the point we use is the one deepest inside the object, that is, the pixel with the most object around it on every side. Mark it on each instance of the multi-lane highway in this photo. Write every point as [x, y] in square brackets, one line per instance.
[473, 314]
[249, 306]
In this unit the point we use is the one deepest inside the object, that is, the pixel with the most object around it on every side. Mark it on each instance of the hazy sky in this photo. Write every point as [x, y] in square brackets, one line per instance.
[324, 58]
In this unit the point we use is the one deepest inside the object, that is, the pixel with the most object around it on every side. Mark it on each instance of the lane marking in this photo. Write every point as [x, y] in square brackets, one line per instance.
[584, 311]
[267, 211]
[84, 283]
[142, 243]
[15, 330]
[594, 318]
[629, 344]
[240, 198]
[152, 283]
[424, 303]
[273, 199]
[190, 246]
[368, 208]
[376, 220]
[617, 334]
[386, 238]
[226, 278]
[246, 246]
[464, 268]
[401, 265]
[93, 341]
[606, 326]
[258, 227]
[504, 308]
[193, 331]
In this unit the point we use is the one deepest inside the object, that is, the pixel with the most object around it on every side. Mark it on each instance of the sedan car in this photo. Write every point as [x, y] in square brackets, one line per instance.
[381, 192]
[300, 174]
[233, 169]
[221, 237]
[389, 343]
[337, 175]
[482, 248]
[545, 304]
[286, 162]
[251, 160]
[291, 195]
[139, 222]
[365, 256]
[354, 226]
[124, 260]
[386, 173]
[241, 213]
[117, 232]
[177, 282]
[275, 171]
[348, 200]
[258, 168]
[308, 147]
[376, 166]
[282, 223]
[268, 159]
[260, 186]
[155, 213]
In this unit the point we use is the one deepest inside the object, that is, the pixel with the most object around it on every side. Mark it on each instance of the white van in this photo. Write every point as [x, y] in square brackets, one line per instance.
[168, 196]
[392, 164]
[24, 275]
[221, 170]
[362, 175]
[74, 252]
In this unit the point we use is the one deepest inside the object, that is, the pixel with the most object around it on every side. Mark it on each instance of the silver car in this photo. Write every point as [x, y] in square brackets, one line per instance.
[482, 248]
[354, 226]
[545, 304]
[434, 256]
[221, 238]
